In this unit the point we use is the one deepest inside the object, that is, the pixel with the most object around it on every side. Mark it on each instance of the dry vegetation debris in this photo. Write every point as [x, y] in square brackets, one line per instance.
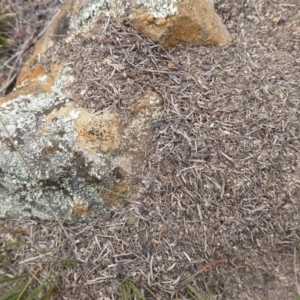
[218, 201]
[22, 23]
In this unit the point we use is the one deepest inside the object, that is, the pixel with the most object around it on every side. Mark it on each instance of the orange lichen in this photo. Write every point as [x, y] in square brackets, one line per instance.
[81, 211]
[98, 132]
[160, 21]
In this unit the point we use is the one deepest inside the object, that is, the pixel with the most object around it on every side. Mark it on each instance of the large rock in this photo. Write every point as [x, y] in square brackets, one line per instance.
[83, 162]
[193, 22]
[63, 153]
[170, 22]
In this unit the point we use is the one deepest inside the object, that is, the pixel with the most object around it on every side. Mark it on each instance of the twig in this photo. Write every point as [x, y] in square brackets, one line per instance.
[12, 73]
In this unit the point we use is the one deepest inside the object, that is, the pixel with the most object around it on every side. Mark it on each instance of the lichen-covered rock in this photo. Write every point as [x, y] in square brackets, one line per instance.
[170, 22]
[81, 161]
[195, 22]
[69, 139]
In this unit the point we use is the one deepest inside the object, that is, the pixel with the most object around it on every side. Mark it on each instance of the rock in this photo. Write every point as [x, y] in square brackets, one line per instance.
[61, 158]
[169, 22]
[195, 22]
[81, 161]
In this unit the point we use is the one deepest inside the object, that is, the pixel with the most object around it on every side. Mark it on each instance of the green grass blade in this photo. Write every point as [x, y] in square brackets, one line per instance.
[9, 245]
[40, 287]
[6, 279]
[1, 43]
[13, 293]
[125, 291]
[48, 293]
[27, 286]
[18, 239]
[137, 293]
[52, 288]
[197, 294]
[112, 192]
[127, 288]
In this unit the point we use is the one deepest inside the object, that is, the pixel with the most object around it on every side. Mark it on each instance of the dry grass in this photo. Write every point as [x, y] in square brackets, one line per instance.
[218, 200]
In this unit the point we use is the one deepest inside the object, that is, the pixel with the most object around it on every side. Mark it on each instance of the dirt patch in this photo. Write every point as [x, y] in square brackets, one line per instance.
[218, 199]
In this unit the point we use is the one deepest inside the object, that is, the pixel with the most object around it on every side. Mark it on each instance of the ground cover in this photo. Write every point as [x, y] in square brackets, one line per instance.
[217, 204]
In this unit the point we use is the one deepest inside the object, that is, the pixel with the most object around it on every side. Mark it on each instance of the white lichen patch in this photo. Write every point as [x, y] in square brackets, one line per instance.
[93, 8]
[160, 8]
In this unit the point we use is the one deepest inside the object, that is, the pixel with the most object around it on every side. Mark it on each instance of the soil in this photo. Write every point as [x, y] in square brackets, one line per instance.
[218, 200]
